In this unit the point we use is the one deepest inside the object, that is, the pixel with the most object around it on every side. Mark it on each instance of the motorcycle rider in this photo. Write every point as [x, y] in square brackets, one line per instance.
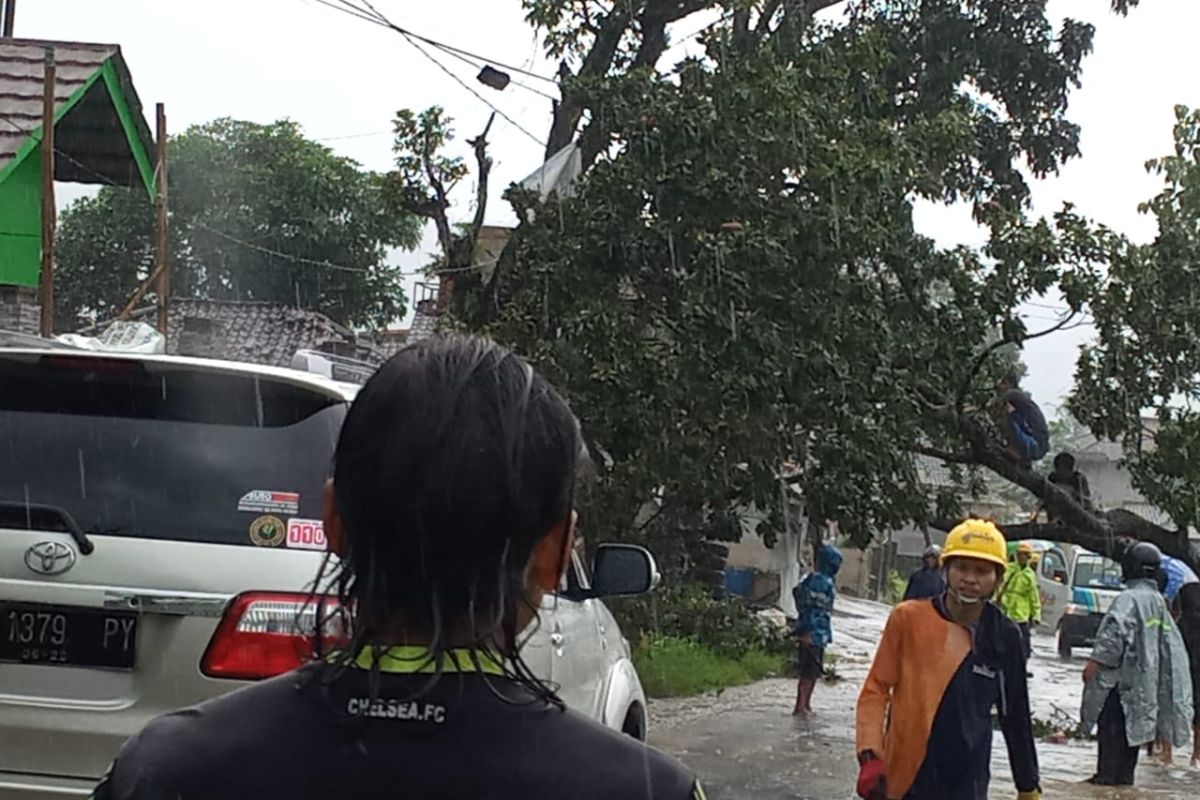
[927, 581]
[1137, 686]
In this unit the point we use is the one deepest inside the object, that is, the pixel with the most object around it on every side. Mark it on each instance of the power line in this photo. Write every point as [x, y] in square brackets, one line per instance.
[351, 136]
[479, 65]
[370, 14]
[471, 89]
[266, 250]
[277, 253]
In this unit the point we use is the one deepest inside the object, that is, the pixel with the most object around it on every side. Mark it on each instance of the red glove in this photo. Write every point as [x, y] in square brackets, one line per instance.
[872, 782]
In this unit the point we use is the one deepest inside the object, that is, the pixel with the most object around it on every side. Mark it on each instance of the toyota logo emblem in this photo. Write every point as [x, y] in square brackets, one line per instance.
[49, 558]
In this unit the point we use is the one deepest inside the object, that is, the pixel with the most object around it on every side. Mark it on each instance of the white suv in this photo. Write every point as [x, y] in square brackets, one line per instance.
[158, 535]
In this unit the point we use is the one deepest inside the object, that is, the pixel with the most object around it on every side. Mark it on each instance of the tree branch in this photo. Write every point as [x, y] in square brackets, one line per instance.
[944, 455]
[484, 163]
[769, 9]
[441, 205]
[597, 62]
[1003, 341]
[656, 15]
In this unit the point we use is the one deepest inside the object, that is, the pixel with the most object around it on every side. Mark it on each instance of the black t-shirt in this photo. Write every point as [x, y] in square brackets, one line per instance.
[308, 734]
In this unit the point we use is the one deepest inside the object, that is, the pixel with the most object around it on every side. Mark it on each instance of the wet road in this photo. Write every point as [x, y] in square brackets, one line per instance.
[745, 744]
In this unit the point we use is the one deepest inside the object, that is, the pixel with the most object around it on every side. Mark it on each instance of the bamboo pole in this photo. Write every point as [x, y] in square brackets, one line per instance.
[162, 263]
[49, 213]
[10, 9]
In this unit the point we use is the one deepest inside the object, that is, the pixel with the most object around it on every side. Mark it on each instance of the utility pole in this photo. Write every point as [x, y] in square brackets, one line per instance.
[10, 8]
[162, 264]
[49, 214]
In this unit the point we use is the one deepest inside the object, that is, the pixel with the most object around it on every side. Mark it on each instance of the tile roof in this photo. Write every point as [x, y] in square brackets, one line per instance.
[933, 472]
[89, 137]
[255, 332]
[424, 322]
[390, 342]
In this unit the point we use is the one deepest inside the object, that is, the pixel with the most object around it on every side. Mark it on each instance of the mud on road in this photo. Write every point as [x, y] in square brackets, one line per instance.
[745, 745]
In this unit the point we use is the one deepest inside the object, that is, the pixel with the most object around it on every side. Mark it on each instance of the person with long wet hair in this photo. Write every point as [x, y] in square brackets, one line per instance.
[452, 512]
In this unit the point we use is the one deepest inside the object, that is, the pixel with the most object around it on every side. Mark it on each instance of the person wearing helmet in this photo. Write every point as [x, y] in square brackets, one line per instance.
[452, 512]
[1137, 687]
[814, 598]
[927, 581]
[924, 715]
[1019, 596]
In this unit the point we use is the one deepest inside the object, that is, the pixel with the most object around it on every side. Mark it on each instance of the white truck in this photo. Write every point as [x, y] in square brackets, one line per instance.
[1076, 587]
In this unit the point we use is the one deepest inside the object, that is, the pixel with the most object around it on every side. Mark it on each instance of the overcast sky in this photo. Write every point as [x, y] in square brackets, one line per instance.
[343, 80]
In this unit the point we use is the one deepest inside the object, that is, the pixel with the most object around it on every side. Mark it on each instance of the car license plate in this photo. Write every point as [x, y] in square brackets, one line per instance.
[72, 637]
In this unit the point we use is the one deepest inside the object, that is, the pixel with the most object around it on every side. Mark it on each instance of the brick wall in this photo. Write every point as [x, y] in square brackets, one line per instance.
[20, 309]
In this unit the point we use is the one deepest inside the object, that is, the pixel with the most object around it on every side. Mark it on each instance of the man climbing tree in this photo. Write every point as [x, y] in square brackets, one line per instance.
[1070, 480]
[1028, 434]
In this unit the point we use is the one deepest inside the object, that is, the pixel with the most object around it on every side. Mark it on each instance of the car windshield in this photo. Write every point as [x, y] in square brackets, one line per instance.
[1097, 572]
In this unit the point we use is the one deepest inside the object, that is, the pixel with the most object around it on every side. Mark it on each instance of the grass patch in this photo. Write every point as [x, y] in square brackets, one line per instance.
[670, 666]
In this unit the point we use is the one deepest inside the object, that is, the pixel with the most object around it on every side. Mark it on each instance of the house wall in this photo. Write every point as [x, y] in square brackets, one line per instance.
[21, 224]
[20, 309]
[1110, 483]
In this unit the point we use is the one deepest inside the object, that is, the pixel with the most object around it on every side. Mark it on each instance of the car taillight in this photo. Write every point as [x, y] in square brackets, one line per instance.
[264, 634]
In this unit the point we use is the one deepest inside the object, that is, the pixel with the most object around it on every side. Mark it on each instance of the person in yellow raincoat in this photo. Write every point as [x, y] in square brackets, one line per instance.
[1019, 597]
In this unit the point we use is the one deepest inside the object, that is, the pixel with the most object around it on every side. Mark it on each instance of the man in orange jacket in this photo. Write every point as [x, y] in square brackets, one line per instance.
[924, 720]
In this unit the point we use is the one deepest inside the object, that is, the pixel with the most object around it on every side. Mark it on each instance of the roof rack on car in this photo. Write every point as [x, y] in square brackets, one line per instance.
[334, 367]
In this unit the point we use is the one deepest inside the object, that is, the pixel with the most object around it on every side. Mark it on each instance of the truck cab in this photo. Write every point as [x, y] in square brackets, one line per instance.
[1077, 587]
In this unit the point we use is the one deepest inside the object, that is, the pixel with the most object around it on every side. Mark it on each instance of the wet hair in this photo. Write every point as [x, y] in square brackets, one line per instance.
[455, 460]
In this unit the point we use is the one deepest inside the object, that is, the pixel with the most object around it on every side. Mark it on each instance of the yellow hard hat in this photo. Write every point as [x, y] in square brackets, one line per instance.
[1025, 547]
[976, 538]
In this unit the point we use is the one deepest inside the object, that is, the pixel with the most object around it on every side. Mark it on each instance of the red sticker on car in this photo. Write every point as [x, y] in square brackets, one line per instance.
[306, 534]
[266, 502]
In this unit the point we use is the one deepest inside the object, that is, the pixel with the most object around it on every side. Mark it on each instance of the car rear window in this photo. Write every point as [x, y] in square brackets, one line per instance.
[161, 451]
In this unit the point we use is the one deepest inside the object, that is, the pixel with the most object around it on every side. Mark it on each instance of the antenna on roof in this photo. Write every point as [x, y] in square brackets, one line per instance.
[10, 8]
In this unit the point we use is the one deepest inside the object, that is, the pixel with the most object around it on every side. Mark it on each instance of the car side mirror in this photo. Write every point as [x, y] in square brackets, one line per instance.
[622, 570]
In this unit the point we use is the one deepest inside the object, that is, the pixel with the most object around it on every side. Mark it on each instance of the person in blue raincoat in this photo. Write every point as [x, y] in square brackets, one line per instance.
[1137, 687]
[1183, 596]
[814, 598]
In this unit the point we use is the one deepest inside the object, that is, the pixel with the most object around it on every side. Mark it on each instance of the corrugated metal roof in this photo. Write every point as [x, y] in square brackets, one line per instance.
[89, 137]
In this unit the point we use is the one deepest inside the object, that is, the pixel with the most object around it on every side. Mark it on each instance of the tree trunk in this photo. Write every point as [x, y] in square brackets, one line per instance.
[610, 31]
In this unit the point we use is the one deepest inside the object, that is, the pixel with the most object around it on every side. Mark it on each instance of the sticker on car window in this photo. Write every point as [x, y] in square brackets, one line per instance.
[268, 532]
[306, 534]
[265, 502]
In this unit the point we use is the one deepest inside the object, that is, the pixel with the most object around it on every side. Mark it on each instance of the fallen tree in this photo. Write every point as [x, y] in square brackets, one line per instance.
[737, 283]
